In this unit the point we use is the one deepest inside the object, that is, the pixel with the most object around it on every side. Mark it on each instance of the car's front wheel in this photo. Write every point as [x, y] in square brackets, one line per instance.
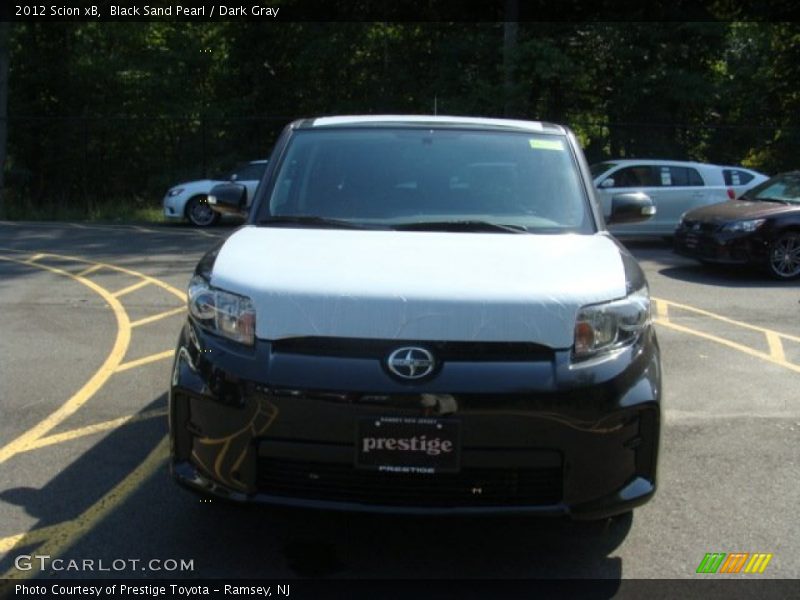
[199, 213]
[783, 259]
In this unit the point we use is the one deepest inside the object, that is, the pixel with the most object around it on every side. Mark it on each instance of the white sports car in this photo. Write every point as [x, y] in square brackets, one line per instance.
[189, 200]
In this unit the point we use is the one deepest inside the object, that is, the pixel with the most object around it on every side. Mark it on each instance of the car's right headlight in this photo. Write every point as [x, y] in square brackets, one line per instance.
[602, 328]
[224, 313]
[174, 192]
[747, 226]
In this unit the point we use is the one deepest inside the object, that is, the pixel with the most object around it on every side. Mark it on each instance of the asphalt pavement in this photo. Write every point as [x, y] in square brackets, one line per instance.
[89, 316]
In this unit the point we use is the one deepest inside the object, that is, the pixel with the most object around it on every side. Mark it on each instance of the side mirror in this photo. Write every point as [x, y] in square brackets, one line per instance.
[631, 207]
[234, 176]
[228, 198]
[607, 183]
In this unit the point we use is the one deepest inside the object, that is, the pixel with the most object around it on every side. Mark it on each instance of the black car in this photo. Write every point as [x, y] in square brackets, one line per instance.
[421, 315]
[762, 228]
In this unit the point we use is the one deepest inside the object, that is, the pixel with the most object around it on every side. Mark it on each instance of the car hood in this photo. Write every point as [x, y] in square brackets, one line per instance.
[419, 285]
[201, 185]
[736, 210]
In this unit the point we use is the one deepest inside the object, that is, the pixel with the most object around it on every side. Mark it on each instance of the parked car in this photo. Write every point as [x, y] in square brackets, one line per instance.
[422, 315]
[762, 228]
[189, 200]
[674, 186]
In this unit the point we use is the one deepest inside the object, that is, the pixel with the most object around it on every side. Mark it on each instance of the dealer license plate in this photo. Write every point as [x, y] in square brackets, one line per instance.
[408, 444]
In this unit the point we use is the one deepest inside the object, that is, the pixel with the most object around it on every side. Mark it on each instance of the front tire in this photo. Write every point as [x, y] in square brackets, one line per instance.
[199, 213]
[783, 257]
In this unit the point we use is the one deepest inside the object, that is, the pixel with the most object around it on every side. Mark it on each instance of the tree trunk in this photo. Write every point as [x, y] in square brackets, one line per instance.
[510, 31]
[4, 58]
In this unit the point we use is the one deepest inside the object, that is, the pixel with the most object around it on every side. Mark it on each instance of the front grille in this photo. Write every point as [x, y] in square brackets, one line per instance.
[338, 482]
[699, 226]
[444, 350]
[698, 246]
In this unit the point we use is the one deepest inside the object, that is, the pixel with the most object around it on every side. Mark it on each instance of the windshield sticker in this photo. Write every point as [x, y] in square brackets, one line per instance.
[546, 144]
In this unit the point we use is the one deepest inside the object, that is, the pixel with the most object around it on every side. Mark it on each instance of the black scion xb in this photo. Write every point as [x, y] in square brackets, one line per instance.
[421, 315]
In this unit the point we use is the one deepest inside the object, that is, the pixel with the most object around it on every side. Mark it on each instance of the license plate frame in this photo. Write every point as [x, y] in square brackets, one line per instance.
[408, 445]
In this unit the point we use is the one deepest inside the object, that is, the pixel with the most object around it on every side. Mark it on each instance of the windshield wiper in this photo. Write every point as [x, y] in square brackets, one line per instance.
[459, 226]
[309, 221]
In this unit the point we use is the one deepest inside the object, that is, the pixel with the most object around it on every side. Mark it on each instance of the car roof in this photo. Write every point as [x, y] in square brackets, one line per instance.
[622, 162]
[657, 161]
[422, 120]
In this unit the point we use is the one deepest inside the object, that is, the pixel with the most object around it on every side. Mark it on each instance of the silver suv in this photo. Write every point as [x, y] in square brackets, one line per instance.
[674, 187]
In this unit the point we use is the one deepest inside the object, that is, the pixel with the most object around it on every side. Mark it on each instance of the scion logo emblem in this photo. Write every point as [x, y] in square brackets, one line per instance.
[411, 362]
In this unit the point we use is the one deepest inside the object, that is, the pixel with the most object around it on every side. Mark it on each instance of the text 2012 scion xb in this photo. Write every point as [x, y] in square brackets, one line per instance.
[421, 315]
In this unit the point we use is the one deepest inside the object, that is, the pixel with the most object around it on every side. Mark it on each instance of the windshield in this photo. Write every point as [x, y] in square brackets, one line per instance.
[598, 169]
[400, 178]
[783, 188]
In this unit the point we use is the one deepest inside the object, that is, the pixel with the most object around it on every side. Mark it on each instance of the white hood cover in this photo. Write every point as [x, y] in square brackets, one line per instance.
[418, 285]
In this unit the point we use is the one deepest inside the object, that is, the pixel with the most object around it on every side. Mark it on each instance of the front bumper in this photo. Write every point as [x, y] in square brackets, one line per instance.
[276, 424]
[713, 245]
[174, 206]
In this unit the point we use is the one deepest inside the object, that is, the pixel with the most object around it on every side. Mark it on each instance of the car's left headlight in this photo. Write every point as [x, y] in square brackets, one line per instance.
[743, 226]
[224, 313]
[174, 192]
[602, 328]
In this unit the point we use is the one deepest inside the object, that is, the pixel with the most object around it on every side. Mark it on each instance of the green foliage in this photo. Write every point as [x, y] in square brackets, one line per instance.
[114, 110]
[107, 211]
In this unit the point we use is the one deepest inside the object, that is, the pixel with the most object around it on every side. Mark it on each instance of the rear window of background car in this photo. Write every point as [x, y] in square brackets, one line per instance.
[638, 176]
[680, 177]
[660, 176]
[736, 177]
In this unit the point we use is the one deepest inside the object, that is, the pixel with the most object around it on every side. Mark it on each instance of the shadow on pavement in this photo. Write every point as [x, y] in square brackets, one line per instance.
[729, 276]
[162, 520]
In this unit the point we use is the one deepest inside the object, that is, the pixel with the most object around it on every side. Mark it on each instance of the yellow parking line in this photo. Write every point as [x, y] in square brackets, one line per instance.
[730, 344]
[775, 346]
[64, 537]
[88, 270]
[130, 288]
[146, 360]
[58, 538]
[157, 282]
[34, 536]
[158, 317]
[706, 313]
[662, 310]
[66, 436]
[34, 258]
[106, 370]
